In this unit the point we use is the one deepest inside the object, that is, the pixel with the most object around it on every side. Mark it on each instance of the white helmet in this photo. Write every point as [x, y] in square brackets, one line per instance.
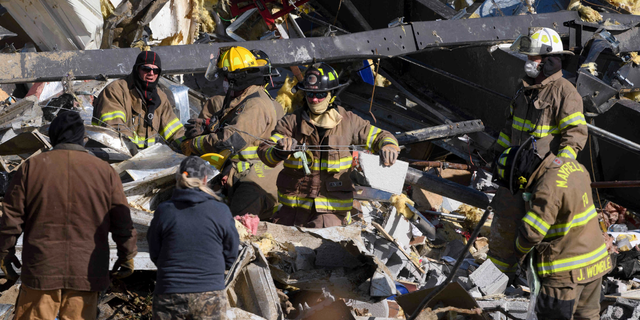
[540, 42]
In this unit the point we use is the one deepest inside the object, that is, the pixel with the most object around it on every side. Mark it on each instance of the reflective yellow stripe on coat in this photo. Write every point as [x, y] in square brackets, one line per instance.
[572, 263]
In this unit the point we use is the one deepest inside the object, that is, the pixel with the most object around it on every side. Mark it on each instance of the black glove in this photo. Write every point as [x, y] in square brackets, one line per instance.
[122, 268]
[198, 127]
[133, 148]
[6, 267]
[285, 147]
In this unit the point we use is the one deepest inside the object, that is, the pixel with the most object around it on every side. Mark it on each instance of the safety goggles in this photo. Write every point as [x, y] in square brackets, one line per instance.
[319, 95]
[147, 69]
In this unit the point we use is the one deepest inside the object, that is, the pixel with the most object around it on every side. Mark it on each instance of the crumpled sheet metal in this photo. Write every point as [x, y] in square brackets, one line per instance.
[107, 137]
[333, 258]
[24, 113]
[149, 161]
[147, 193]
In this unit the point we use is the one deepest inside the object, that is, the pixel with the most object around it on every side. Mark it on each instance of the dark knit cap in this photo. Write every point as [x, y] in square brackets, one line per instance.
[67, 127]
[147, 57]
[196, 167]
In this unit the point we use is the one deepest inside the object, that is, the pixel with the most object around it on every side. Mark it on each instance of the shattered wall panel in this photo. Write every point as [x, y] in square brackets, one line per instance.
[59, 24]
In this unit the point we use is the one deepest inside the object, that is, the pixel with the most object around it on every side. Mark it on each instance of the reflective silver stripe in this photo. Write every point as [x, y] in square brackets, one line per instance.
[578, 220]
[292, 201]
[333, 204]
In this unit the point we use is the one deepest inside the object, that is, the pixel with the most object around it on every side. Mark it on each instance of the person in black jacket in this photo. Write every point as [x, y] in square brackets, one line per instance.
[192, 241]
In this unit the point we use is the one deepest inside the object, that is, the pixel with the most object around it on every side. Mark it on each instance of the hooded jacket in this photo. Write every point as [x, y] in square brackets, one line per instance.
[561, 224]
[550, 111]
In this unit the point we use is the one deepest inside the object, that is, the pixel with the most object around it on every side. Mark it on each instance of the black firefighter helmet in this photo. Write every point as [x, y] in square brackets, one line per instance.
[320, 77]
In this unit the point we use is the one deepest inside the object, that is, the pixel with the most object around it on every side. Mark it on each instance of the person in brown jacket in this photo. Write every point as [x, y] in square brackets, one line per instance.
[66, 201]
[246, 114]
[319, 193]
[136, 108]
[547, 107]
[561, 230]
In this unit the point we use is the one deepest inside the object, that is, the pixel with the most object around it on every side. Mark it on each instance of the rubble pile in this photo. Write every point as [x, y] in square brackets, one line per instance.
[417, 227]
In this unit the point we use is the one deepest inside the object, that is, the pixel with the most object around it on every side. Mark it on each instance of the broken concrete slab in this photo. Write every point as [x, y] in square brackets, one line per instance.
[489, 279]
[254, 290]
[390, 179]
[370, 280]
[398, 227]
[516, 308]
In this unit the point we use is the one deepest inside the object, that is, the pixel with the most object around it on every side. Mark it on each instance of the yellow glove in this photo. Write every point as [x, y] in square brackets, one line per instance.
[122, 268]
[187, 147]
[389, 154]
[5, 265]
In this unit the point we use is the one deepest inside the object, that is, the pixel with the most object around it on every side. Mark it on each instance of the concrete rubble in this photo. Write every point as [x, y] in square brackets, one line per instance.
[411, 222]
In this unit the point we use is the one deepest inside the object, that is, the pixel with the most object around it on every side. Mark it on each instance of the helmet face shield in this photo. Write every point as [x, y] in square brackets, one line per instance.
[522, 45]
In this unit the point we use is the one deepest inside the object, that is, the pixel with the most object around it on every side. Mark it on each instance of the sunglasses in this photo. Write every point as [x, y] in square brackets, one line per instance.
[319, 95]
[147, 69]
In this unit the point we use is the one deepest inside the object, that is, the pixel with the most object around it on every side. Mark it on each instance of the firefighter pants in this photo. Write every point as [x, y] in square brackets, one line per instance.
[46, 304]
[254, 191]
[572, 301]
[508, 213]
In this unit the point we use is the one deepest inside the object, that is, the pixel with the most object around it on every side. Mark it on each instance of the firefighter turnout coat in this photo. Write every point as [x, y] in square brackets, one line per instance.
[120, 106]
[551, 112]
[322, 198]
[561, 224]
[252, 115]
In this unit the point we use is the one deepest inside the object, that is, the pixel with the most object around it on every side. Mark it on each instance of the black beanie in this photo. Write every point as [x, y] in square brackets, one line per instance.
[67, 127]
[147, 57]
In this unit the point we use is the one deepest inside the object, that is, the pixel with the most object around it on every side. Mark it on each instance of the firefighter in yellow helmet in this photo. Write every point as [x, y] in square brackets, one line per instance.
[559, 230]
[547, 107]
[234, 123]
[315, 188]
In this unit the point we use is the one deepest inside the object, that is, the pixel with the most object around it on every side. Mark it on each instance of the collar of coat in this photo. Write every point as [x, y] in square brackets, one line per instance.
[70, 146]
[529, 83]
[548, 162]
[306, 128]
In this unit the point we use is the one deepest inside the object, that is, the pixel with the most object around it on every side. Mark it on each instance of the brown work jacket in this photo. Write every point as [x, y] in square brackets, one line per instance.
[328, 187]
[561, 224]
[120, 106]
[551, 112]
[66, 202]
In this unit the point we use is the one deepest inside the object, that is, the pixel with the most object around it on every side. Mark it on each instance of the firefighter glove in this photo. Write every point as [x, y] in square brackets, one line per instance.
[7, 268]
[198, 127]
[285, 147]
[122, 268]
[187, 147]
[389, 154]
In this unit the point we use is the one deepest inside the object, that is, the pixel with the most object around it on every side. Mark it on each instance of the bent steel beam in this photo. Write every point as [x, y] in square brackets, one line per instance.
[381, 43]
[441, 131]
[446, 188]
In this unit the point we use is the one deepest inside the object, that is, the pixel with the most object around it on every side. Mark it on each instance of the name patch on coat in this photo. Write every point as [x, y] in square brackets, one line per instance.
[591, 272]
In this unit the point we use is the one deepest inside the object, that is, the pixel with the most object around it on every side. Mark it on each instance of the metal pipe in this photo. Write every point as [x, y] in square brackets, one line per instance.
[441, 131]
[616, 184]
[448, 215]
[455, 268]
[615, 139]
[446, 188]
